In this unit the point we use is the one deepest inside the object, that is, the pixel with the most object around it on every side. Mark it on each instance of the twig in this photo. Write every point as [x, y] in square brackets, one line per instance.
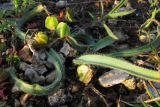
[151, 100]
[98, 93]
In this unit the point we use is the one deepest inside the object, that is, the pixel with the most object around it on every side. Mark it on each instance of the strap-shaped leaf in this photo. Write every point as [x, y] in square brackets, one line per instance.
[115, 63]
[21, 35]
[109, 32]
[119, 14]
[106, 41]
[76, 45]
[37, 89]
[136, 51]
[116, 8]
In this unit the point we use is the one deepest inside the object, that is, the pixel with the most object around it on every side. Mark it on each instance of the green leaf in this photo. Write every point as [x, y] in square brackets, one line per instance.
[102, 43]
[115, 63]
[110, 33]
[63, 30]
[70, 15]
[116, 8]
[102, 8]
[136, 51]
[51, 22]
[119, 14]
[76, 45]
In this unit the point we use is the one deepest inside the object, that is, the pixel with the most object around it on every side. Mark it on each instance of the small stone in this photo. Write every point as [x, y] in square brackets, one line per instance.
[75, 88]
[67, 50]
[42, 55]
[17, 103]
[15, 89]
[51, 77]
[49, 65]
[59, 98]
[61, 3]
[33, 76]
[112, 21]
[23, 66]
[39, 68]
[112, 77]
[123, 47]
[121, 35]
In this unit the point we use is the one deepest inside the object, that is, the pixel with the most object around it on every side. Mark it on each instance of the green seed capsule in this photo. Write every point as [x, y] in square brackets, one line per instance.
[51, 22]
[63, 30]
[41, 38]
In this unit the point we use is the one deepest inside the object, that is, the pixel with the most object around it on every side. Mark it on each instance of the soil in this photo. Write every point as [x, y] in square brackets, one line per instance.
[72, 92]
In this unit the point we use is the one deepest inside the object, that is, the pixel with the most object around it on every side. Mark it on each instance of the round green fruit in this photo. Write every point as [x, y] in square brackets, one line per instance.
[51, 22]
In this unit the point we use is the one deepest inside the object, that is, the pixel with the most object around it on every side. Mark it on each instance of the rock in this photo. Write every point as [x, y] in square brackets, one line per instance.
[121, 35]
[123, 47]
[51, 77]
[33, 76]
[62, 58]
[49, 65]
[112, 77]
[75, 88]
[40, 69]
[112, 21]
[67, 50]
[17, 103]
[61, 3]
[15, 89]
[42, 55]
[59, 98]
[23, 66]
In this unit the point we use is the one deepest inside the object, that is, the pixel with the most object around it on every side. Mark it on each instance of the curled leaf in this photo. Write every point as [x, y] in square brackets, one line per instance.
[37, 89]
